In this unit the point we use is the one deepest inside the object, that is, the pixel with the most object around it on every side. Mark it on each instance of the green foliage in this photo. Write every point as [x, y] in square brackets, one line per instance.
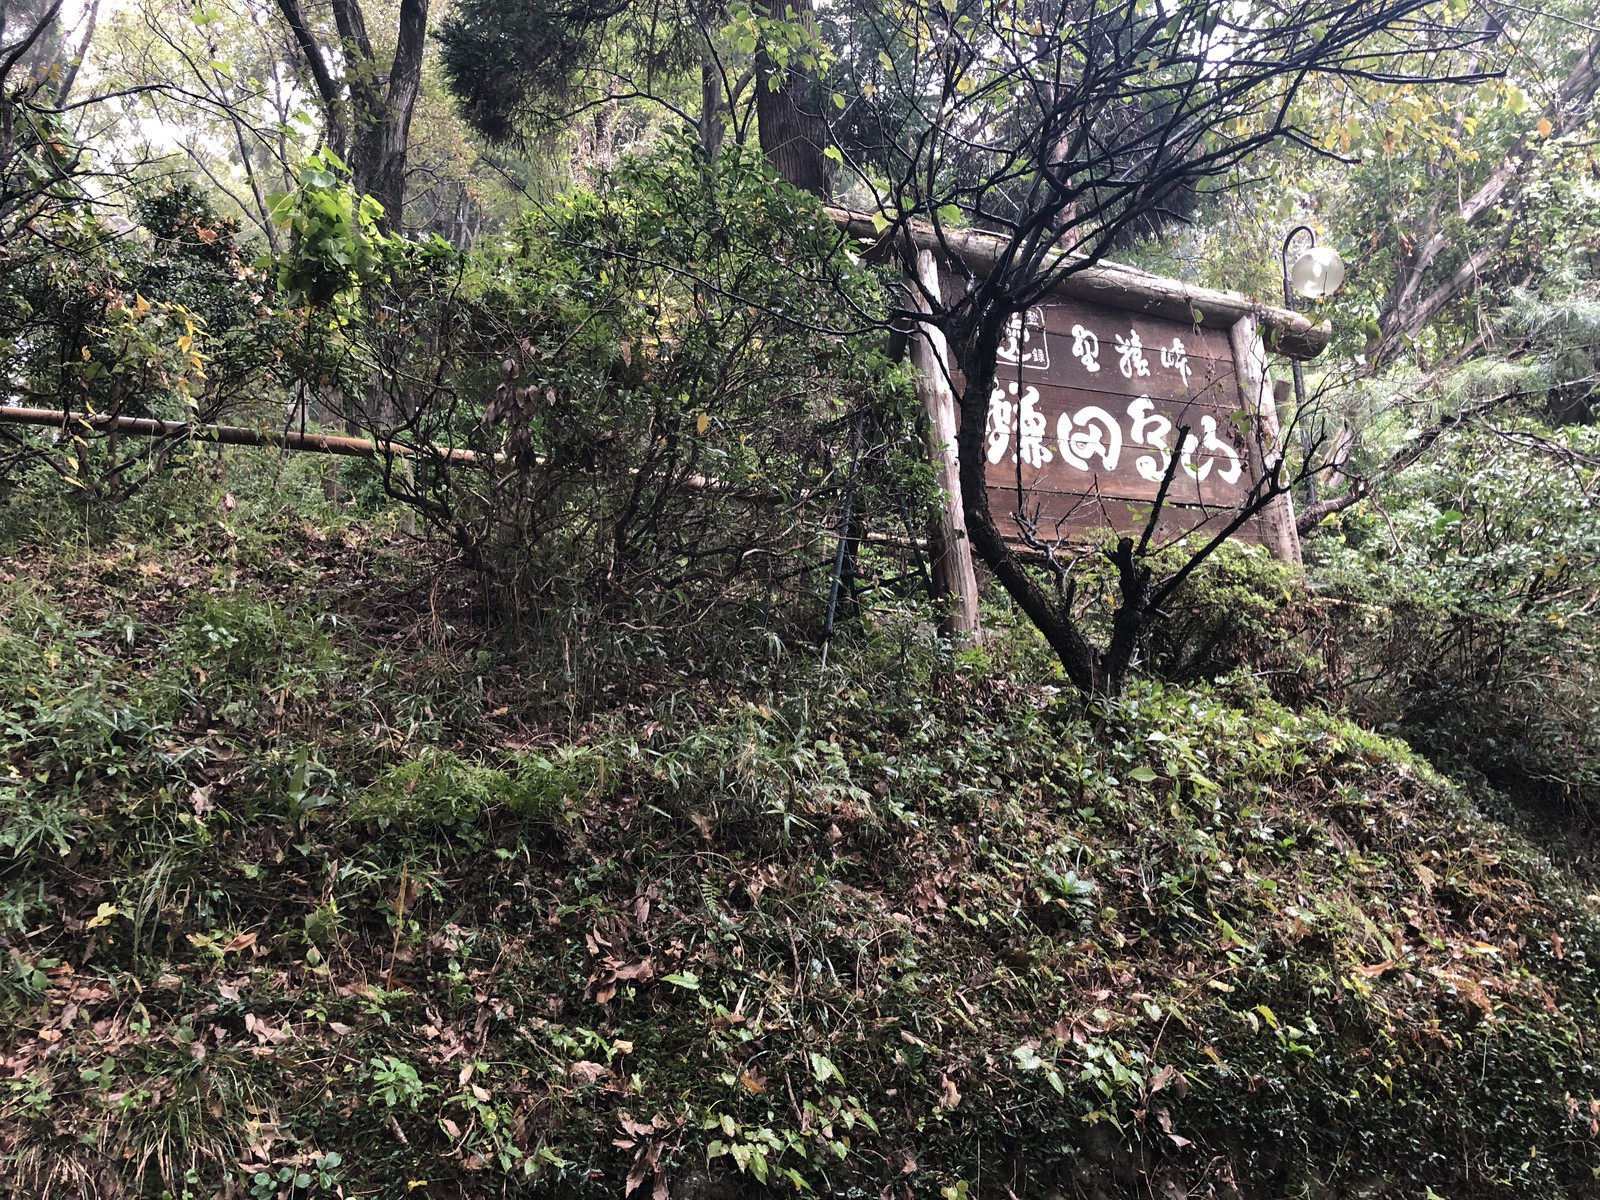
[335, 243]
[780, 924]
[1469, 609]
[438, 790]
[657, 385]
[171, 323]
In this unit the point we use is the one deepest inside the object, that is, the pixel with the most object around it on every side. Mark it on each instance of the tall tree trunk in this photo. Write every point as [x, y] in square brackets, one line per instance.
[789, 113]
[383, 117]
[368, 111]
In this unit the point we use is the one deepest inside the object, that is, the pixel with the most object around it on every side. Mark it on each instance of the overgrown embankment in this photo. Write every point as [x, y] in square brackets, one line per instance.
[307, 890]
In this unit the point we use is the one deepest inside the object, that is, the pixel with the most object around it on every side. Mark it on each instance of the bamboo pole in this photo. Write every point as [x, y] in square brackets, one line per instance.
[228, 435]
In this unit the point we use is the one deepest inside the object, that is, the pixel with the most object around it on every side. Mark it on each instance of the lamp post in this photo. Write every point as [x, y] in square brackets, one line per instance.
[1316, 273]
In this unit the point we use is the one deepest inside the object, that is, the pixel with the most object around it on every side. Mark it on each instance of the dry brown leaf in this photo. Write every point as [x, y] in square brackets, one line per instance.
[949, 1097]
[584, 1072]
[640, 971]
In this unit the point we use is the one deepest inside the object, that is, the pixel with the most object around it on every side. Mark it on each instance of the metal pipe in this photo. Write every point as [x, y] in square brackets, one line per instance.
[1307, 441]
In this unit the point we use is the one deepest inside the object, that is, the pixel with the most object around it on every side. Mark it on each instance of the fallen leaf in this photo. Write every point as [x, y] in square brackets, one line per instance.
[753, 1080]
[584, 1072]
[949, 1097]
[241, 941]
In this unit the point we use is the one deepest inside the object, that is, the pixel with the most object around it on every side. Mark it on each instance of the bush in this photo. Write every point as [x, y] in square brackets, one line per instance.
[170, 321]
[656, 388]
[1466, 616]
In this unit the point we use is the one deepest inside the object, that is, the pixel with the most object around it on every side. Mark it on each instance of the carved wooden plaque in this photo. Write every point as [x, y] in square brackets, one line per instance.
[1089, 408]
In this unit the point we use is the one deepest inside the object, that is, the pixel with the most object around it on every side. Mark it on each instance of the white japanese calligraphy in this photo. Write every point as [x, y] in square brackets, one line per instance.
[1086, 347]
[1216, 446]
[1087, 434]
[1150, 428]
[1025, 343]
[1130, 355]
[1092, 438]
[1176, 358]
[1030, 424]
[1002, 413]
[1031, 430]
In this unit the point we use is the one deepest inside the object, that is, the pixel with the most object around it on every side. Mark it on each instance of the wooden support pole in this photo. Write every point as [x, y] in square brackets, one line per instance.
[1255, 390]
[953, 575]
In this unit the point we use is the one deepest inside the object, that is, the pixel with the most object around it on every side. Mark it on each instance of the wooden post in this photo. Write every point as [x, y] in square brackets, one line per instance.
[1255, 389]
[951, 552]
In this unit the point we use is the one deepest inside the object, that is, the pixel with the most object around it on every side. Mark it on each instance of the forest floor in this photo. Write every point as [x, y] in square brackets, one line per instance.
[313, 883]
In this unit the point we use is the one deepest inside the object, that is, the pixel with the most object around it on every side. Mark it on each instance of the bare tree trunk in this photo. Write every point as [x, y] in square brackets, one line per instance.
[710, 107]
[383, 115]
[1051, 614]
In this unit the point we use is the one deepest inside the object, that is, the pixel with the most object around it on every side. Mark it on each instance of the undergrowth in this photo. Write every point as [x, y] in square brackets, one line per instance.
[310, 887]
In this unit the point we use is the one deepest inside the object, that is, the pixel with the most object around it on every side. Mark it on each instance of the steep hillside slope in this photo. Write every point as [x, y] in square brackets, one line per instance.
[307, 888]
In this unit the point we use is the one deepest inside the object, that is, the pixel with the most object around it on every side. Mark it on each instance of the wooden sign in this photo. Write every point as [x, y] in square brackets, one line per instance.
[1118, 376]
[1092, 404]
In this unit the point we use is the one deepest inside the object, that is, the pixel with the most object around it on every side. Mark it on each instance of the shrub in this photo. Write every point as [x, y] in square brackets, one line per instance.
[657, 387]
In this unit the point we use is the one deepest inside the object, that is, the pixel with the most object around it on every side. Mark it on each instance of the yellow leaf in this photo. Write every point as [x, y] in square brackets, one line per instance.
[140, 305]
[702, 423]
[1545, 127]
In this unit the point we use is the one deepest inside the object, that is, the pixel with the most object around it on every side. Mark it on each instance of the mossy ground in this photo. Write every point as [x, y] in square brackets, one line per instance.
[311, 886]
